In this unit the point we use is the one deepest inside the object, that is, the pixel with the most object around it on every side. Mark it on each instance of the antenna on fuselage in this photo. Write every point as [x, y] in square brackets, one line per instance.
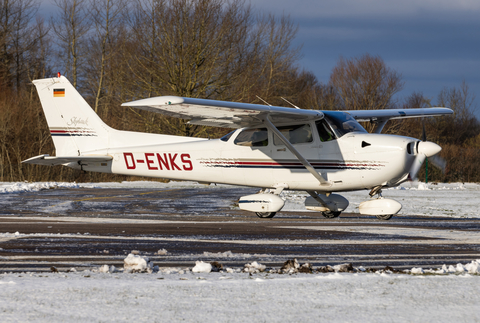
[263, 100]
[293, 105]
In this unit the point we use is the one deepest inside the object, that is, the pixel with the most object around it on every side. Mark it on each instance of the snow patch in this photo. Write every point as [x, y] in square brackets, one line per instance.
[7, 283]
[422, 187]
[254, 267]
[417, 271]
[202, 267]
[106, 269]
[471, 268]
[136, 263]
[19, 187]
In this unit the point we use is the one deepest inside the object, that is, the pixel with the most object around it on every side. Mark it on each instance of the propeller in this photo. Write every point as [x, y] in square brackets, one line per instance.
[426, 149]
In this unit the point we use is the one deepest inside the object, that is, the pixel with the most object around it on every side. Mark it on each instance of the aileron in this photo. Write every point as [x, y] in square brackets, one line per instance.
[368, 115]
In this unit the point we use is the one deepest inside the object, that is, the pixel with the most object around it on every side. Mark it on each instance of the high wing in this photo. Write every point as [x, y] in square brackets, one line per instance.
[381, 117]
[54, 161]
[238, 115]
[387, 114]
[222, 113]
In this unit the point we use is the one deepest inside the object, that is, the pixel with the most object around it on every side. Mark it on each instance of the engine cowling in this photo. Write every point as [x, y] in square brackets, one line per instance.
[261, 203]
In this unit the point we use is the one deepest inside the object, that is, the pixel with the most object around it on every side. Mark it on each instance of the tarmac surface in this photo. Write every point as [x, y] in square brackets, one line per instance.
[84, 228]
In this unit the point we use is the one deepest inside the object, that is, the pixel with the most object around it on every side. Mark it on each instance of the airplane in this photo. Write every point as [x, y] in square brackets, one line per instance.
[272, 148]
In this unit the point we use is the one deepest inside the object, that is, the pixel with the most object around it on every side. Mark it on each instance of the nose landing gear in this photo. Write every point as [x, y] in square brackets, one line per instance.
[382, 208]
[331, 214]
[384, 216]
[265, 215]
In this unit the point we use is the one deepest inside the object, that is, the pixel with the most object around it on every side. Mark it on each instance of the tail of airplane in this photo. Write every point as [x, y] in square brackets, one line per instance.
[78, 133]
[74, 126]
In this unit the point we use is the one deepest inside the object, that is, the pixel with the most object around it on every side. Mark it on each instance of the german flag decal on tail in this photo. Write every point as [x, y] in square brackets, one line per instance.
[57, 93]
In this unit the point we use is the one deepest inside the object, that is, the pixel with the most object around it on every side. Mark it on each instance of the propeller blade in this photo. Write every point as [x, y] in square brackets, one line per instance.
[424, 133]
[417, 163]
[439, 162]
[424, 149]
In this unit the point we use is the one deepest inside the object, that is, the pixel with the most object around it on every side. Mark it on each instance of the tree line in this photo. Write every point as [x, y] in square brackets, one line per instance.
[114, 51]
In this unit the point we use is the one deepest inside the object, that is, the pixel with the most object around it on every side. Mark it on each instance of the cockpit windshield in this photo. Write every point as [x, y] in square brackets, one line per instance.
[342, 123]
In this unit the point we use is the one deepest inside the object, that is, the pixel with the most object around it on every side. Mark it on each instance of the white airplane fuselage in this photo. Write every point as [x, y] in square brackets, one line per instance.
[383, 160]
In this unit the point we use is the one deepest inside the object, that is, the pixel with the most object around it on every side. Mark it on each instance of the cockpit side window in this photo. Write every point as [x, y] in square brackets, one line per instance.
[227, 136]
[324, 131]
[342, 123]
[252, 137]
[298, 134]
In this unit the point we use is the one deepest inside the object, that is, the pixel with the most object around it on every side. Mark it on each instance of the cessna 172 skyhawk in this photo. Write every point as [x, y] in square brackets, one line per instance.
[273, 148]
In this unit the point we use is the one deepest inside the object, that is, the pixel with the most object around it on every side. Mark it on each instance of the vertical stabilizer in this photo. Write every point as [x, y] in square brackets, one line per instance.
[74, 126]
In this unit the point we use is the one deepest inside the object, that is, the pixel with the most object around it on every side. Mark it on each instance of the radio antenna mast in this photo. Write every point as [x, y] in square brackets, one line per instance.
[263, 100]
[293, 105]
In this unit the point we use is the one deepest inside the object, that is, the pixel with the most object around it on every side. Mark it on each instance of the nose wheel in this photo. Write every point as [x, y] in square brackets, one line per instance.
[331, 214]
[384, 216]
[265, 215]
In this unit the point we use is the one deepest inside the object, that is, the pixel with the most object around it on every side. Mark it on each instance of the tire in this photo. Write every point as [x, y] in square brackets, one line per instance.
[384, 216]
[331, 214]
[265, 215]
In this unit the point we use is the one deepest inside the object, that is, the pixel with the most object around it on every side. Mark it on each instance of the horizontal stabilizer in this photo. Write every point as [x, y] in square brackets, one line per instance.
[54, 161]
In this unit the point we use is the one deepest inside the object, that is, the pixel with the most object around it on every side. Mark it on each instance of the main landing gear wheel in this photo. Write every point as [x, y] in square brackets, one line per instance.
[331, 214]
[384, 216]
[265, 215]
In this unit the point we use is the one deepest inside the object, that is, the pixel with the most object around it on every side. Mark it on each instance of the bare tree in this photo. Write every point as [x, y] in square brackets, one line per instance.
[365, 83]
[462, 125]
[208, 48]
[107, 16]
[15, 40]
[187, 47]
[39, 53]
[277, 55]
[22, 41]
[71, 27]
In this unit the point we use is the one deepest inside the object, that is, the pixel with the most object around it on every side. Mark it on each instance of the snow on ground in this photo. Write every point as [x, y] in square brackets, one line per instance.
[6, 187]
[432, 199]
[111, 296]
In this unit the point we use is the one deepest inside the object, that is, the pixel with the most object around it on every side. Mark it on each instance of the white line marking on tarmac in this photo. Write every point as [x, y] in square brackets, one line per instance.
[475, 240]
[451, 235]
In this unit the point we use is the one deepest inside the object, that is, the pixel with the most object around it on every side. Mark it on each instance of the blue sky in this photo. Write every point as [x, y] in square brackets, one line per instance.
[432, 43]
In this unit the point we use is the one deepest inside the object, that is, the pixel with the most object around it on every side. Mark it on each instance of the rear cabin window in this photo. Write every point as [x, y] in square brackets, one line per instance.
[298, 134]
[252, 137]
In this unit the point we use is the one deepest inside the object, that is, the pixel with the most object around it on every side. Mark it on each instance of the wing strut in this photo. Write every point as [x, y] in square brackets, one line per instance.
[292, 149]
